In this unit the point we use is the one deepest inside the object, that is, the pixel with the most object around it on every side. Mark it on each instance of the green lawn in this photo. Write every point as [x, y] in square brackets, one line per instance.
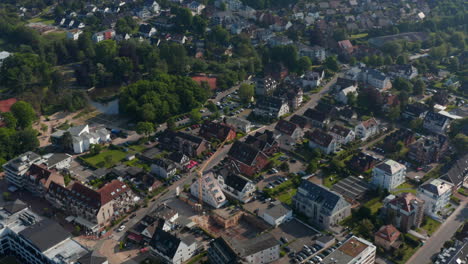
[287, 196]
[408, 252]
[430, 226]
[463, 191]
[403, 188]
[330, 180]
[138, 163]
[99, 160]
[374, 205]
[41, 20]
[358, 36]
[137, 148]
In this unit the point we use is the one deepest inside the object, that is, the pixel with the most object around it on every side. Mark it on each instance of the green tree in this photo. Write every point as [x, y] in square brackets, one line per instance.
[145, 128]
[460, 142]
[304, 64]
[9, 119]
[195, 115]
[246, 92]
[419, 87]
[312, 166]
[331, 63]
[171, 125]
[24, 114]
[26, 140]
[392, 48]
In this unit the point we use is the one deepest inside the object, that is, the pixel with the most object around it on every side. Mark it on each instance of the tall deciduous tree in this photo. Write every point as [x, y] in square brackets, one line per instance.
[246, 92]
[24, 114]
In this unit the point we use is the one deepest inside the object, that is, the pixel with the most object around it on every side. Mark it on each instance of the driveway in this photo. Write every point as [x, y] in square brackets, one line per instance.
[443, 234]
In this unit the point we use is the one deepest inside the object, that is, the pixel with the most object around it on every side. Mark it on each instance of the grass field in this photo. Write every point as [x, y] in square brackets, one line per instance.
[287, 196]
[41, 20]
[358, 36]
[430, 226]
[374, 205]
[100, 159]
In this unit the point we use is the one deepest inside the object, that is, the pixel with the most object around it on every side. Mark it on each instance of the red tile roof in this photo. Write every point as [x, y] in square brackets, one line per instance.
[210, 80]
[112, 190]
[389, 233]
[5, 105]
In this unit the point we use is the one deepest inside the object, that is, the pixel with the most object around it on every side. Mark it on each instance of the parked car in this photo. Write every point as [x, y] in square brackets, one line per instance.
[121, 228]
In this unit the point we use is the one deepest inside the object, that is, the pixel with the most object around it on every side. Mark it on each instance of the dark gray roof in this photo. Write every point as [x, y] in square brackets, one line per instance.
[277, 210]
[56, 158]
[351, 187]
[243, 152]
[270, 102]
[45, 234]
[321, 195]
[176, 156]
[439, 119]
[14, 206]
[458, 172]
[248, 247]
[315, 115]
[236, 181]
[222, 250]
[167, 243]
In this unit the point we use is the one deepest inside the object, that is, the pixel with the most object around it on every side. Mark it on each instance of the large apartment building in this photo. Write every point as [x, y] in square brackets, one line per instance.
[16, 168]
[32, 239]
[436, 194]
[212, 191]
[354, 251]
[324, 208]
[92, 209]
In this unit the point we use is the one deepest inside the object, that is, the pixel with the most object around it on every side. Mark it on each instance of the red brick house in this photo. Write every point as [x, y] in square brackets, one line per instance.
[221, 131]
[248, 159]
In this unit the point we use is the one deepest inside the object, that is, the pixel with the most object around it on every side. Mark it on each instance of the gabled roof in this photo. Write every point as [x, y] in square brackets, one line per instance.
[320, 137]
[260, 140]
[299, 120]
[457, 173]
[167, 243]
[219, 130]
[176, 156]
[321, 195]
[286, 127]
[340, 130]
[145, 28]
[112, 190]
[315, 115]
[243, 152]
[370, 123]
[254, 245]
[437, 118]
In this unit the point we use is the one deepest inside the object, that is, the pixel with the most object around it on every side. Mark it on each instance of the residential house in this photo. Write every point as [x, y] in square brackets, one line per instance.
[196, 7]
[367, 129]
[279, 41]
[265, 141]
[344, 88]
[261, 249]
[103, 35]
[362, 162]
[312, 79]
[179, 158]
[147, 30]
[289, 129]
[323, 207]
[173, 248]
[375, 79]
[301, 121]
[248, 159]
[458, 172]
[403, 135]
[82, 137]
[39, 178]
[436, 123]
[315, 53]
[16, 169]
[153, 6]
[406, 71]
[387, 237]
[405, 211]
[3, 56]
[188, 144]
[237, 187]
[163, 168]
[388, 175]
[342, 135]
[343, 83]
[276, 214]
[345, 47]
[317, 118]
[322, 140]
[163, 217]
[212, 192]
[271, 107]
[220, 131]
[436, 193]
[428, 149]
[74, 34]
[265, 86]
[92, 209]
[355, 250]
[239, 124]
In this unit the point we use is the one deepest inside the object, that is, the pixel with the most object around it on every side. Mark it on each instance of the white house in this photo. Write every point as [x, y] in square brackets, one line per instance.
[163, 168]
[212, 193]
[239, 124]
[322, 140]
[388, 175]
[342, 95]
[367, 129]
[312, 78]
[196, 7]
[276, 214]
[261, 249]
[83, 138]
[74, 34]
[57, 161]
[342, 134]
[173, 248]
[153, 6]
[237, 186]
[436, 193]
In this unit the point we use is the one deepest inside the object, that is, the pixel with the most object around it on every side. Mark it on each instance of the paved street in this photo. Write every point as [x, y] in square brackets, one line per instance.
[444, 233]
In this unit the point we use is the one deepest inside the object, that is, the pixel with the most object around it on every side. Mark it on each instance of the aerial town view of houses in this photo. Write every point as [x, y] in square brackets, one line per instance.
[233, 131]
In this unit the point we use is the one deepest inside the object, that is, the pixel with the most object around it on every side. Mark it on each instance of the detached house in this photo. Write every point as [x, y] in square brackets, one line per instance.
[317, 118]
[289, 129]
[220, 131]
[212, 192]
[248, 159]
[342, 134]
[237, 187]
[436, 123]
[103, 35]
[147, 30]
[239, 124]
[387, 237]
[436, 194]
[173, 248]
[389, 175]
[414, 111]
[344, 88]
[265, 142]
[362, 162]
[196, 7]
[188, 144]
[163, 168]
[457, 174]
[322, 140]
[92, 209]
[312, 78]
[82, 137]
[428, 149]
[265, 86]
[406, 71]
[367, 129]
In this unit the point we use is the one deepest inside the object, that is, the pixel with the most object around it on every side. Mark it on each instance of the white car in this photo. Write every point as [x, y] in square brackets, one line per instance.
[121, 228]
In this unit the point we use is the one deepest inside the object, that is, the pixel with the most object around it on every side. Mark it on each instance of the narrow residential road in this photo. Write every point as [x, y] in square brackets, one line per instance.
[443, 234]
